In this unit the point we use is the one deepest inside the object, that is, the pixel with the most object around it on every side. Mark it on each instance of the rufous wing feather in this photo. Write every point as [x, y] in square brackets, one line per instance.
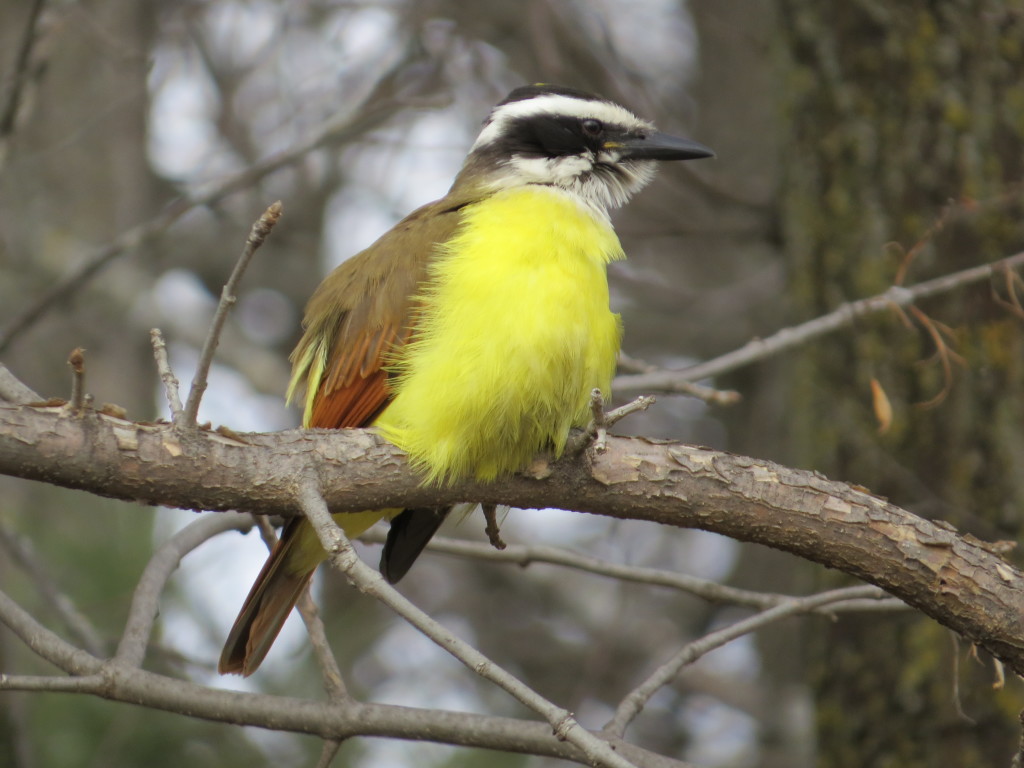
[360, 315]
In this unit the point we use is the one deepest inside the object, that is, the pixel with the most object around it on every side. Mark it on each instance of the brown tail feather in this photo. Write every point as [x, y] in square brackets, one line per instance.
[266, 609]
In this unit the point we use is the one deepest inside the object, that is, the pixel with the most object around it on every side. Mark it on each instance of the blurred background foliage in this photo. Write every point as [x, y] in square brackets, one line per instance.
[848, 136]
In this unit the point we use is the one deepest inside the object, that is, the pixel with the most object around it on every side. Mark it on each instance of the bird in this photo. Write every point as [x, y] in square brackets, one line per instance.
[472, 334]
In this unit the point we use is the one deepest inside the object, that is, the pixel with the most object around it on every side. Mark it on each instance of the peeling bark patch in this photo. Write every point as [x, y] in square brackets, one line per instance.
[127, 439]
[1006, 573]
[832, 504]
[692, 459]
[625, 470]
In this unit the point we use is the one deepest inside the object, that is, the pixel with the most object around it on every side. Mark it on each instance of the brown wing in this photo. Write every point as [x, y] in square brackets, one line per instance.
[362, 313]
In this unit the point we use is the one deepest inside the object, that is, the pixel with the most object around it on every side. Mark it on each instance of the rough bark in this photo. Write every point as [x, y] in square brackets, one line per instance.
[904, 136]
[956, 579]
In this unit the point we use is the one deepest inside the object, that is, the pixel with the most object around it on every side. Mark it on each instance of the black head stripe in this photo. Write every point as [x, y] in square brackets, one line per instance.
[546, 136]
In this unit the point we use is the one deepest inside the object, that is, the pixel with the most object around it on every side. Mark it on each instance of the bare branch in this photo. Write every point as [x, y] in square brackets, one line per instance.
[344, 558]
[328, 753]
[328, 720]
[635, 700]
[19, 76]
[163, 366]
[958, 580]
[523, 556]
[789, 338]
[22, 553]
[616, 415]
[709, 395]
[14, 391]
[131, 651]
[257, 235]
[44, 643]
[77, 362]
[88, 265]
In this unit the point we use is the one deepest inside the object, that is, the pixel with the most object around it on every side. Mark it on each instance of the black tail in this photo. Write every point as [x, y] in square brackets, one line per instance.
[409, 534]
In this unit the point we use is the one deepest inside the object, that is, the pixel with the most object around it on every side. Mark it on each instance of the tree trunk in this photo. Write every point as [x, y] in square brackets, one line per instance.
[904, 125]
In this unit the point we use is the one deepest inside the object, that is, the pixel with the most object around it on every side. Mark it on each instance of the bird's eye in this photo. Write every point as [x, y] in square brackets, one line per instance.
[592, 127]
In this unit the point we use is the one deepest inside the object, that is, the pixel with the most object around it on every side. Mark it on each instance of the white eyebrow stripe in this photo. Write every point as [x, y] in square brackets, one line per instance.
[557, 105]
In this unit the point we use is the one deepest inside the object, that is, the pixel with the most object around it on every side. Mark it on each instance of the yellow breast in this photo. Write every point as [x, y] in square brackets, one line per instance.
[513, 334]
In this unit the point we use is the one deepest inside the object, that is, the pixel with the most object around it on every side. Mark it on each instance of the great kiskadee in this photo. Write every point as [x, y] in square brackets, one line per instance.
[472, 333]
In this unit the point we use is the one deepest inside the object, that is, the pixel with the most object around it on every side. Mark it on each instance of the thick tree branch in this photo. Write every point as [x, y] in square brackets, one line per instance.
[116, 681]
[131, 650]
[958, 580]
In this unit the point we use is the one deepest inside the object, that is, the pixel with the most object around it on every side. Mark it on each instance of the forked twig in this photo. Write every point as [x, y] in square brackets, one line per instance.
[344, 558]
[634, 701]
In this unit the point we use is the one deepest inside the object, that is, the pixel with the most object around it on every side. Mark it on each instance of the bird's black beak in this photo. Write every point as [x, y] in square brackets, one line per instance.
[660, 146]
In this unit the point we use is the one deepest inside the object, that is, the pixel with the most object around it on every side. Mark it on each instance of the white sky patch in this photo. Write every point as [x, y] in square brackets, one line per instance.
[353, 222]
[420, 673]
[180, 294]
[720, 735]
[414, 166]
[363, 34]
[653, 37]
[225, 18]
[554, 527]
[737, 659]
[181, 130]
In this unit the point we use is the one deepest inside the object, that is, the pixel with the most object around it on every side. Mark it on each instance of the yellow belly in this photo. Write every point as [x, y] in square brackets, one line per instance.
[514, 333]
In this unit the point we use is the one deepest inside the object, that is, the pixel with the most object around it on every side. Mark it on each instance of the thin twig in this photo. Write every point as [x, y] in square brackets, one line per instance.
[596, 432]
[43, 642]
[19, 73]
[334, 683]
[259, 232]
[616, 415]
[789, 338]
[145, 607]
[88, 265]
[87, 684]
[14, 391]
[710, 395]
[163, 366]
[328, 752]
[368, 581]
[22, 552]
[77, 362]
[634, 701]
[523, 556]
